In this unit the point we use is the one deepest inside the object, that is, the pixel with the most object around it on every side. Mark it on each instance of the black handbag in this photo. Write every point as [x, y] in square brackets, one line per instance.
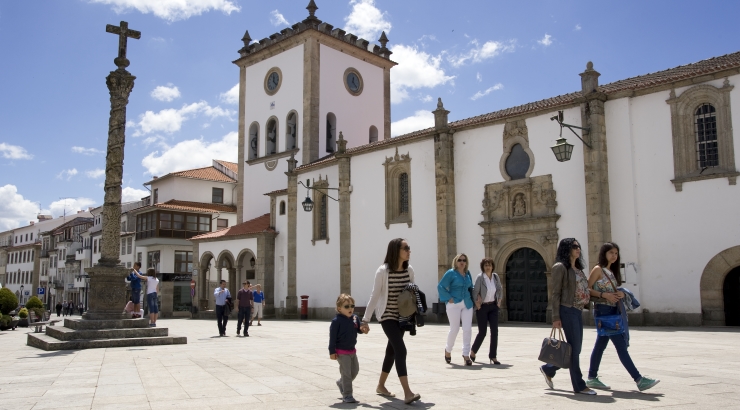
[555, 350]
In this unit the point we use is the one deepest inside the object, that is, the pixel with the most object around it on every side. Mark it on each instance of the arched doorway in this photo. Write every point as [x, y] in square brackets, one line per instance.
[526, 286]
[731, 293]
[716, 286]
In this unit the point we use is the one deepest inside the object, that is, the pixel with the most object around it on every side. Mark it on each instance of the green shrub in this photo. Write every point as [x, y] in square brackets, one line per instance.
[34, 302]
[8, 301]
[23, 314]
[39, 313]
[5, 320]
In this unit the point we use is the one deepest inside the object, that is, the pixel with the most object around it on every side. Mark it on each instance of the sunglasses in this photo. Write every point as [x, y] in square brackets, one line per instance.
[462, 260]
[406, 248]
[576, 247]
[349, 306]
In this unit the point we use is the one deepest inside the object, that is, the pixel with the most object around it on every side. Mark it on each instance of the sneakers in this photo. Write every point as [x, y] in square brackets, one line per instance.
[587, 391]
[645, 383]
[595, 383]
[548, 379]
[349, 399]
[246, 334]
[341, 391]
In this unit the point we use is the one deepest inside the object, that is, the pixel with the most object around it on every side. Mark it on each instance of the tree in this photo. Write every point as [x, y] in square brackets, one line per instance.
[34, 302]
[8, 301]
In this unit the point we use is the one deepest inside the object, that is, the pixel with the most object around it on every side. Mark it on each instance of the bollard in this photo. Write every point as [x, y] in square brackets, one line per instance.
[304, 307]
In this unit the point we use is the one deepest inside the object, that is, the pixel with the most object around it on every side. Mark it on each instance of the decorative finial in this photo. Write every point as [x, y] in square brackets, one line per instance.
[383, 39]
[342, 144]
[311, 9]
[589, 66]
[439, 104]
[246, 39]
[292, 162]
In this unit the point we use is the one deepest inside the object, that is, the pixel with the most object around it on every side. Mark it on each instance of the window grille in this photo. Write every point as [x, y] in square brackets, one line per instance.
[322, 217]
[705, 128]
[403, 193]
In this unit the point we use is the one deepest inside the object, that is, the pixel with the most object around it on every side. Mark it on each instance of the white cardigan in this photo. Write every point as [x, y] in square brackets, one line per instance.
[379, 296]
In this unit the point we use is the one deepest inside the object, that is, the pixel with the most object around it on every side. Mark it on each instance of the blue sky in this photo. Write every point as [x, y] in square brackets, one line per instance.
[478, 55]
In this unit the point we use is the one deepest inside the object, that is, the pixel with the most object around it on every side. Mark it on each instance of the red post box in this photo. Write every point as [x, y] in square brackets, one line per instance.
[304, 307]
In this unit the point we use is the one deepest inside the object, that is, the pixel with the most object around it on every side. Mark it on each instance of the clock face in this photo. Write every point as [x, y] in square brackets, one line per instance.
[273, 80]
[353, 82]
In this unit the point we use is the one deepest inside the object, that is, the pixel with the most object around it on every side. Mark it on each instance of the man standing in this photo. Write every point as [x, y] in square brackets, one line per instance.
[135, 278]
[245, 299]
[59, 308]
[221, 293]
[65, 307]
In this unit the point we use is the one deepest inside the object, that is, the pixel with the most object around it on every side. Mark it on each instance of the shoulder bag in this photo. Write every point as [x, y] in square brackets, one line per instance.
[555, 350]
[609, 325]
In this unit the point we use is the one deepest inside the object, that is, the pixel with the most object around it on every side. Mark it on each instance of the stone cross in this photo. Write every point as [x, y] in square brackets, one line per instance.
[123, 33]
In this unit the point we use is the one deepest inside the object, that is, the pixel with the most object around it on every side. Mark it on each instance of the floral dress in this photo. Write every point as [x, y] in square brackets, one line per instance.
[582, 293]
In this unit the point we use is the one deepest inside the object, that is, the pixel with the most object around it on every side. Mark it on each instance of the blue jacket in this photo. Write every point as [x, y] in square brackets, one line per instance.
[135, 281]
[455, 286]
[343, 333]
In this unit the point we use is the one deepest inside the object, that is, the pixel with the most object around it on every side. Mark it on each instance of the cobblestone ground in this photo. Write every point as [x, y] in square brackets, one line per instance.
[285, 365]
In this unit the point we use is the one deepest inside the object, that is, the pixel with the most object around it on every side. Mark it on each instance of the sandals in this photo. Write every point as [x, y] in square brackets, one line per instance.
[467, 360]
[413, 398]
[448, 359]
[384, 393]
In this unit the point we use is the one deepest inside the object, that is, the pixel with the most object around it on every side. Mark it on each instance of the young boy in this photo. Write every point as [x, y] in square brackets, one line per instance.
[342, 340]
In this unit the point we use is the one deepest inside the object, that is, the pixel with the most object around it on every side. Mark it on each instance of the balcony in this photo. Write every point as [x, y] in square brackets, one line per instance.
[58, 284]
[83, 254]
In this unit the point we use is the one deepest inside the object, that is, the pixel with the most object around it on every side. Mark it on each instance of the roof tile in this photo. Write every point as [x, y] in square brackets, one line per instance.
[256, 225]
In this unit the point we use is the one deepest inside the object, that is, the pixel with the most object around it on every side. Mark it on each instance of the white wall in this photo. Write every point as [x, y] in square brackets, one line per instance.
[355, 114]
[194, 190]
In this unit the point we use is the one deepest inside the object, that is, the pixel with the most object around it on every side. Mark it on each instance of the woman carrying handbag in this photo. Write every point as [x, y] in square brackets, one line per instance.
[569, 296]
[608, 307]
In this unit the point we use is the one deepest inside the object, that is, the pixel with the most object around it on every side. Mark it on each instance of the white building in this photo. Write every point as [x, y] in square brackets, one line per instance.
[657, 176]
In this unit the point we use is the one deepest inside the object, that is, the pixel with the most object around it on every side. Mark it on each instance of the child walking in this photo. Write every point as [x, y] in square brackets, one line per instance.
[342, 340]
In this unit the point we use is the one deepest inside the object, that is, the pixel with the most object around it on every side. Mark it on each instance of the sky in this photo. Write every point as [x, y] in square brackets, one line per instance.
[479, 56]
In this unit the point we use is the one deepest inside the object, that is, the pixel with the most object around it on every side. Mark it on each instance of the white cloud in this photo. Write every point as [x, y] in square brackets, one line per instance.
[15, 211]
[479, 52]
[129, 194]
[416, 69]
[171, 10]
[170, 120]
[87, 151]
[366, 21]
[478, 77]
[578, 27]
[546, 41]
[191, 154]
[67, 173]
[231, 96]
[487, 91]
[165, 93]
[68, 206]
[427, 98]
[419, 121]
[278, 19]
[14, 152]
[95, 173]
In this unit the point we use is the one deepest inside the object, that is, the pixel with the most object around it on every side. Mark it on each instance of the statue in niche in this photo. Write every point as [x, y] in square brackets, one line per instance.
[253, 144]
[520, 206]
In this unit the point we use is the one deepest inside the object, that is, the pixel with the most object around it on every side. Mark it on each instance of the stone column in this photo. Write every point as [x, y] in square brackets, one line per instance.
[291, 301]
[241, 148]
[595, 164]
[311, 120]
[265, 274]
[387, 103]
[444, 172]
[345, 230]
[233, 286]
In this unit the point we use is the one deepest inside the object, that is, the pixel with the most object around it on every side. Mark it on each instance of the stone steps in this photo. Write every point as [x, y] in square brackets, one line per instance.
[81, 324]
[48, 343]
[67, 334]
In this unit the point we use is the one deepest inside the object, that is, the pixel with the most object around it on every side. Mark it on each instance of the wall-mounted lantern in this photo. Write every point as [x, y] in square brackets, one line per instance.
[308, 203]
[562, 149]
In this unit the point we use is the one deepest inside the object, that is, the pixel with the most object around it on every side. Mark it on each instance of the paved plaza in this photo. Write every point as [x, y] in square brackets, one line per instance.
[286, 365]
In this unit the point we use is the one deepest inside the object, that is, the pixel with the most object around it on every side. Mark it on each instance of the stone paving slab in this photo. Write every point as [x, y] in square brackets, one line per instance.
[285, 365]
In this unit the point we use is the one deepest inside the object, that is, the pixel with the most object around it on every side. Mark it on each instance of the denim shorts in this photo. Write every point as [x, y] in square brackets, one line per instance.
[135, 296]
[151, 301]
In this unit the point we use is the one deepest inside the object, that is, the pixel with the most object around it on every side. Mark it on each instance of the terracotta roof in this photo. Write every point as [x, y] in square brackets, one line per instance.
[256, 225]
[207, 173]
[233, 166]
[278, 192]
[193, 206]
[700, 68]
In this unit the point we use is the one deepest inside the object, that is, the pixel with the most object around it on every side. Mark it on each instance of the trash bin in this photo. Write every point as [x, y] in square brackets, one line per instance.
[304, 307]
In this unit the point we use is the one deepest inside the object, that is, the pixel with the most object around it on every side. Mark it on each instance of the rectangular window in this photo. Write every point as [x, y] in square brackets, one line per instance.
[217, 195]
[205, 224]
[138, 257]
[152, 260]
[123, 226]
[123, 246]
[95, 246]
[128, 264]
[222, 223]
[183, 262]
[31, 235]
[156, 195]
[129, 245]
[192, 222]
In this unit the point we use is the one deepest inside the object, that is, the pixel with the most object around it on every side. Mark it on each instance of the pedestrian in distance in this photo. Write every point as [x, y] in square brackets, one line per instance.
[342, 341]
[456, 288]
[570, 294]
[221, 294]
[64, 308]
[246, 300]
[135, 278]
[390, 279]
[81, 308]
[259, 304]
[152, 290]
[604, 281]
[487, 293]
[59, 308]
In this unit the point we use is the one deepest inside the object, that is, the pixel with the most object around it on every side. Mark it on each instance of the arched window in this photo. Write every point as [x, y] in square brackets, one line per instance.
[373, 133]
[254, 140]
[403, 194]
[282, 207]
[271, 141]
[291, 131]
[705, 130]
[331, 132]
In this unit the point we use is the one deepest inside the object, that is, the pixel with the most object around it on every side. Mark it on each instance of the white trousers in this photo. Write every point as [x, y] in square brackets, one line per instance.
[457, 312]
[257, 311]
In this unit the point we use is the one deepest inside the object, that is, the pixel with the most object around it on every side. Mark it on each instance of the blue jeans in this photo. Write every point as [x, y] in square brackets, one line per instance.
[573, 328]
[619, 343]
[245, 313]
[152, 302]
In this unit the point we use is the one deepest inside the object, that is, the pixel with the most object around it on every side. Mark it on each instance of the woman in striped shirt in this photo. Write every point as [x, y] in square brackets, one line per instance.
[390, 279]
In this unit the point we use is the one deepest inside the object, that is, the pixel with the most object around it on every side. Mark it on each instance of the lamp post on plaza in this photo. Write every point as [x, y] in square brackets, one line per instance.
[22, 296]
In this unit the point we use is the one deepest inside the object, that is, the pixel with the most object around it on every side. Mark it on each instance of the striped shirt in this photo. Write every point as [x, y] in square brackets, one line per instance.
[397, 281]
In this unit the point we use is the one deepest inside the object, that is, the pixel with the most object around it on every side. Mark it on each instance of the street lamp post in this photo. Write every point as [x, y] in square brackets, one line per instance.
[22, 296]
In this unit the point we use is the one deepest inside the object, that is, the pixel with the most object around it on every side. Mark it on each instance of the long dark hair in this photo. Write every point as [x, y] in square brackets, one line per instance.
[604, 263]
[563, 256]
[394, 254]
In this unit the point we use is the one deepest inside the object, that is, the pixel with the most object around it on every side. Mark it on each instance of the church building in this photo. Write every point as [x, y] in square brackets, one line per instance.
[322, 187]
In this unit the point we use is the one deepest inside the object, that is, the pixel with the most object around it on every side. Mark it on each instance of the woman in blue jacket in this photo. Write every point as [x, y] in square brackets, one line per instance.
[455, 288]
